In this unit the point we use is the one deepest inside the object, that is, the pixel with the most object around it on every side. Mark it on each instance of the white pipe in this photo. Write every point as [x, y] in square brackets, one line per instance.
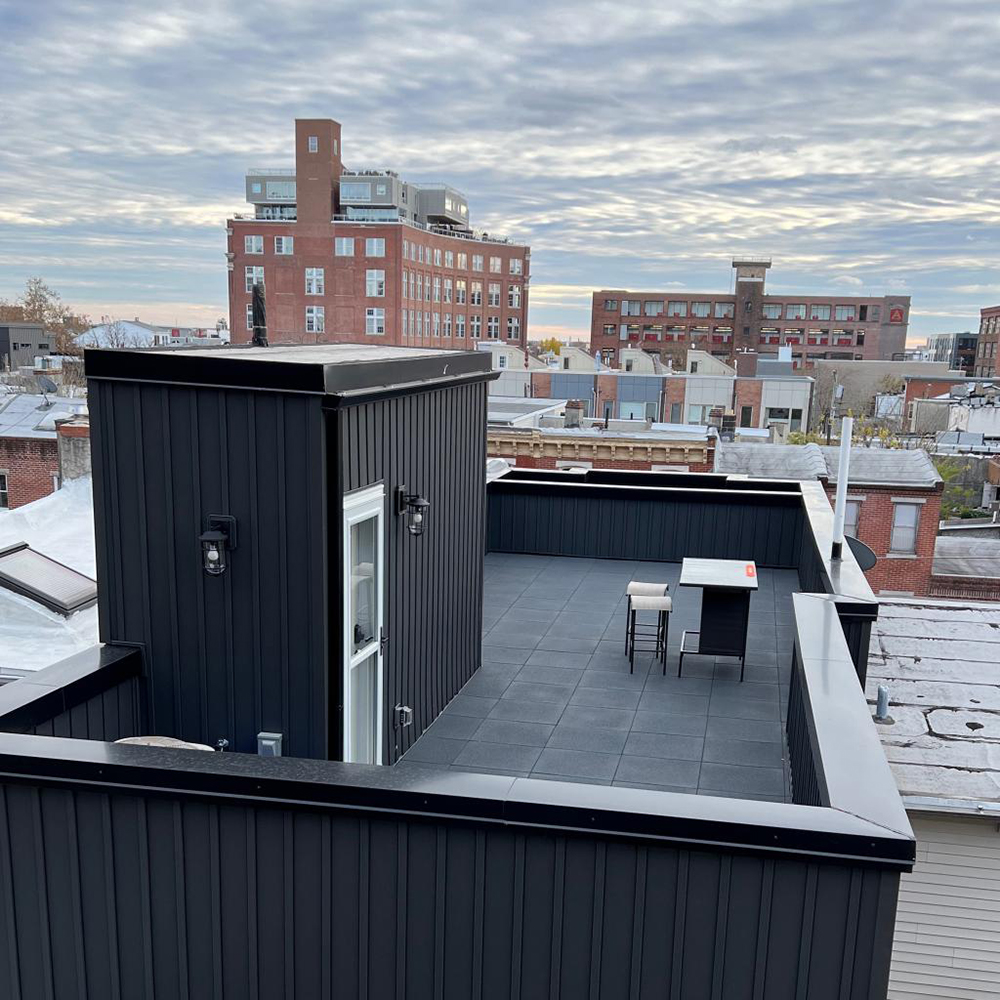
[843, 471]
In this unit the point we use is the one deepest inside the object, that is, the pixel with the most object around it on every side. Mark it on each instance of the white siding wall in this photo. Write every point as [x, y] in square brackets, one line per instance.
[947, 942]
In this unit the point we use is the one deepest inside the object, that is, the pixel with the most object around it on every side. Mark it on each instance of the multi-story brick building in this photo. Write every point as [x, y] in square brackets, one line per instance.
[345, 255]
[749, 320]
[986, 350]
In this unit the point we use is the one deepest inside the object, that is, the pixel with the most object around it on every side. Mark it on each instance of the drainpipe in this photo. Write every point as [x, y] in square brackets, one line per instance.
[843, 468]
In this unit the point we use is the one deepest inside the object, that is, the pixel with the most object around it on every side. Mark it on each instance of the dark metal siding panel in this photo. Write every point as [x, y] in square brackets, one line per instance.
[434, 443]
[245, 652]
[124, 894]
[633, 527]
[108, 716]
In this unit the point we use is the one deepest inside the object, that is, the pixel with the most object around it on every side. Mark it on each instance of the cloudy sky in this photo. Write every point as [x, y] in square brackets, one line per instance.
[634, 145]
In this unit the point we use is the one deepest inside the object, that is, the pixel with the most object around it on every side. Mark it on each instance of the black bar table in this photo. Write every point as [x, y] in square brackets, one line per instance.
[726, 585]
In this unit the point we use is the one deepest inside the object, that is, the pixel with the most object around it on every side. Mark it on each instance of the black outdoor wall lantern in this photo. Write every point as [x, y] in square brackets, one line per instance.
[415, 508]
[216, 542]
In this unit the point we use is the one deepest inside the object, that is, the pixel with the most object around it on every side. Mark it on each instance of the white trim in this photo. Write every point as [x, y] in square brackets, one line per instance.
[359, 506]
[860, 497]
[908, 499]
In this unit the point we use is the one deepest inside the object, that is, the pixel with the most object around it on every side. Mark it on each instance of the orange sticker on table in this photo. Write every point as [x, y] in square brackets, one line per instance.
[751, 569]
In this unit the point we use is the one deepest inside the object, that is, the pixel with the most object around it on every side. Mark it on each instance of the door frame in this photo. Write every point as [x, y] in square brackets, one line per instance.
[360, 505]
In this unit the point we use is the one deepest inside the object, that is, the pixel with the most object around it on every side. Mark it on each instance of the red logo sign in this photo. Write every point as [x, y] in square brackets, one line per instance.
[896, 314]
[751, 569]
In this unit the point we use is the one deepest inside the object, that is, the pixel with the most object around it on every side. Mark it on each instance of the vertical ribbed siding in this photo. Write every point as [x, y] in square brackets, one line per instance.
[108, 716]
[806, 790]
[550, 521]
[230, 656]
[434, 443]
[127, 895]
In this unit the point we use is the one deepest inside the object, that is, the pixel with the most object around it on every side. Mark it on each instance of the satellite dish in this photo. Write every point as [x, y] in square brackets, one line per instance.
[864, 555]
[45, 384]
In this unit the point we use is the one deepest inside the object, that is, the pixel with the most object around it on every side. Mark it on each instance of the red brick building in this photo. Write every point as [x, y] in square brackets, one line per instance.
[986, 351]
[347, 255]
[29, 448]
[893, 502]
[748, 319]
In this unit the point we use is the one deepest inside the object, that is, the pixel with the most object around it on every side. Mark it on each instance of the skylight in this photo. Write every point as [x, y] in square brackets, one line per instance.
[33, 575]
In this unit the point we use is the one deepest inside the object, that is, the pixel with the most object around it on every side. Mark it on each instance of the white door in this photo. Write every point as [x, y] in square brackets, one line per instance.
[363, 611]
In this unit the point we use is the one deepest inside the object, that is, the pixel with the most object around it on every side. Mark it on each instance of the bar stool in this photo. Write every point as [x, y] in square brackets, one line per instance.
[648, 636]
[638, 589]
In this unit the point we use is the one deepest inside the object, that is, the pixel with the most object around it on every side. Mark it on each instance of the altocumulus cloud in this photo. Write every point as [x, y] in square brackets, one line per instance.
[633, 147]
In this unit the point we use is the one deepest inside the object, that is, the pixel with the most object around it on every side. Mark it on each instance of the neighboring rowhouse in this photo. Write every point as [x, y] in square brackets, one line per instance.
[893, 501]
[940, 661]
[29, 445]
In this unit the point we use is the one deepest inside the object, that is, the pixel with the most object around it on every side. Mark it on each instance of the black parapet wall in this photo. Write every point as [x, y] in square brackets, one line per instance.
[273, 438]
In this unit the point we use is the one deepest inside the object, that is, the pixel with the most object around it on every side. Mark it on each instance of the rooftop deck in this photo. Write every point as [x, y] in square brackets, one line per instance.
[555, 699]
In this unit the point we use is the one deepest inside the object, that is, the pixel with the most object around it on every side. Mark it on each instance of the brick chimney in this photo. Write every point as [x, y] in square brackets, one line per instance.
[73, 440]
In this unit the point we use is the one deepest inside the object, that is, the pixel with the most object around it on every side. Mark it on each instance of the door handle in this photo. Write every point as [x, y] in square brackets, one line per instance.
[382, 642]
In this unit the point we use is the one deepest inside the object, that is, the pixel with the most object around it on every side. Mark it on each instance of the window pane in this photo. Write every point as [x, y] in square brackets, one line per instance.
[362, 702]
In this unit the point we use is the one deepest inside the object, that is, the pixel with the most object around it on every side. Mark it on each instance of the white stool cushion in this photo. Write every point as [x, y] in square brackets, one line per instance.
[637, 589]
[641, 603]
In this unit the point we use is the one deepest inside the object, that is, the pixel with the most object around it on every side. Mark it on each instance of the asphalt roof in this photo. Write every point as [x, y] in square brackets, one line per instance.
[965, 555]
[873, 466]
[26, 415]
[941, 663]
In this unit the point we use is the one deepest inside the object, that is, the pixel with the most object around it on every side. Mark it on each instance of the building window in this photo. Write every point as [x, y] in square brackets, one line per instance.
[355, 191]
[725, 310]
[844, 313]
[419, 286]
[513, 327]
[460, 291]
[795, 310]
[437, 257]
[905, 518]
[475, 326]
[493, 295]
[437, 324]
[343, 246]
[476, 297]
[463, 261]
[375, 284]
[4, 491]
[253, 244]
[381, 190]
[406, 278]
[746, 416]
[652, 307]
[447, 324]
[701, 308]
[314, 144]
[427, 288]
[449, 258]
[493, 327]
[419, 328]
[254, 274]
[819, 312]
[516, 265]
[315, 282]
[437, 289]
[630, 307]
[406, 249]
[375, 322]
[459, 325]
[374, 247]
[610, 329]
[874, 313]
[495, 265]
[501, 361]
[852, 513]
[284, 246]
[771, 310]
[405, 327]
[677, 308]
[315, 319]
[477, 262]
[447, 289]
[249, 315]
[610, 305]
[514, 296]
